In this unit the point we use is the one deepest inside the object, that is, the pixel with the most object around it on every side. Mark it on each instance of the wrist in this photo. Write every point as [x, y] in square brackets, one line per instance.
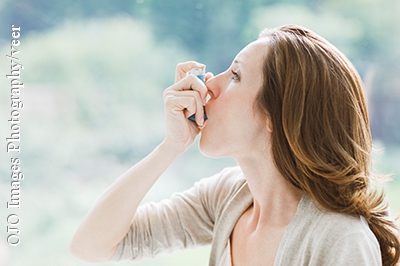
[171, 149]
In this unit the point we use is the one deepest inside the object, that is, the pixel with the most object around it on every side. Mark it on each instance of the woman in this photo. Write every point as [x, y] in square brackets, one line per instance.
[290, 110]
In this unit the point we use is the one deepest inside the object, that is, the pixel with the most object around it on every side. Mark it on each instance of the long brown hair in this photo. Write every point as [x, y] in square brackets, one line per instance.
[321, 141]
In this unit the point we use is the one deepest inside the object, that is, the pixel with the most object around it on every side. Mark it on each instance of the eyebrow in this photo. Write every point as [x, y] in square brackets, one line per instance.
[236, 61]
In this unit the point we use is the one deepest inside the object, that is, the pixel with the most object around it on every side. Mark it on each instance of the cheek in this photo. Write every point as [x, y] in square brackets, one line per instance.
[231, 106]
[232, 139]
[215, 137]
[218, 133]
[231, 126]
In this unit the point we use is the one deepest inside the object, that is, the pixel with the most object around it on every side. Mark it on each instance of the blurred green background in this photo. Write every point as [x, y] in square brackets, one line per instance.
[94, 73]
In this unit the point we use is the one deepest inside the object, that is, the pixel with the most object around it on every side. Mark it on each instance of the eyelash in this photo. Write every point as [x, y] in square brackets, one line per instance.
[235, 76]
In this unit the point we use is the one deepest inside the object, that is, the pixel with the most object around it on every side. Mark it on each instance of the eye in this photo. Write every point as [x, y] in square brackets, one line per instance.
[235, 76]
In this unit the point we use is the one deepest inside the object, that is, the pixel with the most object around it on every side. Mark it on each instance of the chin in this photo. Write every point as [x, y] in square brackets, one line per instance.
[210, 148]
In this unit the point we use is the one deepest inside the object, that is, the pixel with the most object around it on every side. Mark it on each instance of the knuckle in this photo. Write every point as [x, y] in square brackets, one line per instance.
[179, 65]
[192, 101]
[183, 65]
[166, 93]
[186, 65]
[169, 101]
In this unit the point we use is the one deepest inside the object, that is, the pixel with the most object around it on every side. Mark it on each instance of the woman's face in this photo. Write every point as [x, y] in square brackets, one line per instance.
[234, 127]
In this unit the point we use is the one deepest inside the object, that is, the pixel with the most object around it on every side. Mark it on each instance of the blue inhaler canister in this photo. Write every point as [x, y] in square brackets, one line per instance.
[200, 73]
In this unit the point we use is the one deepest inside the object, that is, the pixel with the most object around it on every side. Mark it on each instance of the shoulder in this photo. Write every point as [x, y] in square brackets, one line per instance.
[221, 190]
[212, 193]
[229, 180]
[338, 226]
[349, 240]
[318, 236]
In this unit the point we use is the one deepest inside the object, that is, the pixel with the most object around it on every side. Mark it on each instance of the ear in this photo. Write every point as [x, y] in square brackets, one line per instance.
[269, 125]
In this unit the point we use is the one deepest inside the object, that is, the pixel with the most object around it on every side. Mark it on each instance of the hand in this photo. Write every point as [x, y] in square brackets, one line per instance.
[183, 99]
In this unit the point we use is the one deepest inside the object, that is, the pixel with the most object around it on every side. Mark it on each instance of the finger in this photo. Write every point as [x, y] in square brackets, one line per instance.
[183, 68]
[188, 93]
[198, 111]
[186, 102]
[208, 76]
[191, 82]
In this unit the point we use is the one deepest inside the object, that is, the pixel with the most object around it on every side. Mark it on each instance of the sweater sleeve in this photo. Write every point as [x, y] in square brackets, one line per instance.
[355, 249]
[185, 220]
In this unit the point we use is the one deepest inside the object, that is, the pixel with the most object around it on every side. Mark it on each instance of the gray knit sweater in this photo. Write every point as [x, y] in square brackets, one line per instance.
[207, 213]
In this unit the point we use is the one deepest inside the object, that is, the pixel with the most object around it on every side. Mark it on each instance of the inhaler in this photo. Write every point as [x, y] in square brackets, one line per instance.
[200, 73]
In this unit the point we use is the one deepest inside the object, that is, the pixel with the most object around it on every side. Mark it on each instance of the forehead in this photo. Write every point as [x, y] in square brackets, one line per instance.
[249, 62]
[252, 55]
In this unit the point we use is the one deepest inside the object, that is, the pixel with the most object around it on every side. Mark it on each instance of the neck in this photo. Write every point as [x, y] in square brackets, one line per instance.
[275, 198]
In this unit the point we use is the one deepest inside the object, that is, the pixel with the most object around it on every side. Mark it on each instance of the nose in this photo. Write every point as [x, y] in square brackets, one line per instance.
[213, 85]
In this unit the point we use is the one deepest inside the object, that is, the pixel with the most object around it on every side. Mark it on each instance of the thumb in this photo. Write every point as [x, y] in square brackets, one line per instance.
[208, 76]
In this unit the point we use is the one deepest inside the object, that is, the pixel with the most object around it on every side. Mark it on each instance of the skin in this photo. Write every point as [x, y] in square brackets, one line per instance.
[233, 129]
